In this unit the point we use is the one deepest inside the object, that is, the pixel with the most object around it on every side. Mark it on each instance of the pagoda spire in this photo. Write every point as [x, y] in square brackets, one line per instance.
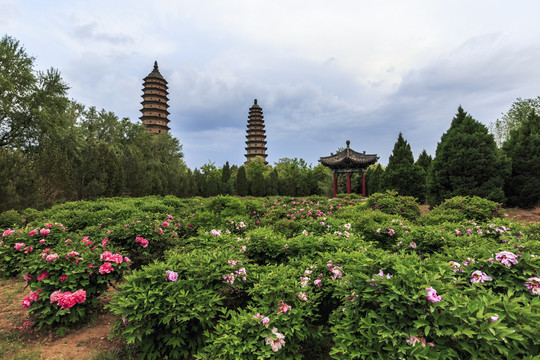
[256, 135]
[154, 110]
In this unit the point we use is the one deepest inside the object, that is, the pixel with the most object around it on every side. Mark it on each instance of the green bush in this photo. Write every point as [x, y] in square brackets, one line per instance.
[472, 208]
[392, 203]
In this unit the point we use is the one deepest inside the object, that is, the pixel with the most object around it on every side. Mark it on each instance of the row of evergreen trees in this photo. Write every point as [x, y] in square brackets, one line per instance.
[468, 162]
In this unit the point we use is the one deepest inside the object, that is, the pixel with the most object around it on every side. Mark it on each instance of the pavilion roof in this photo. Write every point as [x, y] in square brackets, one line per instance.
[349, 159]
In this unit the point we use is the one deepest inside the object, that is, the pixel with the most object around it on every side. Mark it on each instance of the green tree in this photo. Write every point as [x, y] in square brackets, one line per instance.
[258, 186]
[513, 118]
[467, 162]
[402, 174]
[272, 183]
[374, 175]
[522, 188]
[424, 160]
[30, 101]
[241, 182]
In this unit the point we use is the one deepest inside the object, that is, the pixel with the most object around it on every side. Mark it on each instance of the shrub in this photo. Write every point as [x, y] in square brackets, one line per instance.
[391, 203]
[472, 208]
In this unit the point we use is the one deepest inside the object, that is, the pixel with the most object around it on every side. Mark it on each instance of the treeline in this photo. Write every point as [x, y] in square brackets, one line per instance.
[468, 162]
[54, 149]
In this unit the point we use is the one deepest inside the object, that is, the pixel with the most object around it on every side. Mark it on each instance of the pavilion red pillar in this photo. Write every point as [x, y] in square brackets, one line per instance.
[335, 184]
[348, 182]
[363, 183]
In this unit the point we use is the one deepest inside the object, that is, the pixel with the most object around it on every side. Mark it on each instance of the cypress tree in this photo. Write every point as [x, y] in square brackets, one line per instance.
[374, 175]
[402, 174]
[258, 186]
[241, 182]
[522, 188]
[272, 183]
[424, 160]
[467, 163]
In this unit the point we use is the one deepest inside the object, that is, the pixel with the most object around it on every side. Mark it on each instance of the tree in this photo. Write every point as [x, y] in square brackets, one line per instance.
[424, 160]
[402, 174]
[374, 175]
[522, 188]
[514, 117]
[241, 182]
[30, 101]
[272, 183]
[467, 162]
[258, 186]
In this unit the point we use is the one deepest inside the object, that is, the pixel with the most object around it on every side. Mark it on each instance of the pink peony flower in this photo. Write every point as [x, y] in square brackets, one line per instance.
[126, 259]
[232, 262]
[62, 278]
[258, 316]
[265, 321]
[275, 340]
[42, 241]
[48, 225]
[479, 277]
[44, 232]
[104, 242]
[106, 268]
[533, 285]
[494, 318]
[413, 244]
[241, 271]
[8, 232]
[172, 276]
[27, 277]
[215, 232]
[55, 296]
[43, 275]
[282, 307]
[142, 241]
[302, 296]
[80, 296]
[33, 232]
[458, 233]
[117, 258]
[506, 258]
[34, 296]
[318, 282]
[26, 303]
[432, 295]
[229, 278]
[19, 246]
[51, 257]
[165, 224]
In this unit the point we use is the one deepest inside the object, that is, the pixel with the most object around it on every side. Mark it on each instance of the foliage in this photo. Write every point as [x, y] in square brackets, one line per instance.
[467, 163]
[241, 182]
[374, 175]
[473, 208]
[522, 188]
[518, 113]
[402, 174]
[391, 203]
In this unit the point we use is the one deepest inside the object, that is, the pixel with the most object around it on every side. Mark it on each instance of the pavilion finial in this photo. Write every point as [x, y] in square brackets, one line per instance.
[255, 102]
[348, 142]
[155, 65]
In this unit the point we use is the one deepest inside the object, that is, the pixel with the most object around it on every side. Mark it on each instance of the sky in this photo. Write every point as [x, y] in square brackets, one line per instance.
[323, 72]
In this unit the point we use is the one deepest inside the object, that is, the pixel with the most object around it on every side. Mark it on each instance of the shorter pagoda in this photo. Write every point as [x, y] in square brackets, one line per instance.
[348, 161]
[256, 135]
[154, 110]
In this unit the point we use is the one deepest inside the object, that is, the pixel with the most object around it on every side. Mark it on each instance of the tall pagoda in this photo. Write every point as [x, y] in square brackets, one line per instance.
[154, 110]
[256, 135]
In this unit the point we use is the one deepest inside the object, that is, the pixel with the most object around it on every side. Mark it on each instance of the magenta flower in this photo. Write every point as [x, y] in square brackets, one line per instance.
[506, 258]
[479, 277]
[265, 320]
[215, 232]
[432, 295]
[62, 278]
[106, 268]
[26, 303]
[172, 276]
[142, 241]
[229, 278]
[533, 285]
[27, 277]
[51, 257]
[19, 246]
[8, 232]
[43, 275]
[44, 232]
[282, 307]
[302, 296]
[275, 340]
[494, 318]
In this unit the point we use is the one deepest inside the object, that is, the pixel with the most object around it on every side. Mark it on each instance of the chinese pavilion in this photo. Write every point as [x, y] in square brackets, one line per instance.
[256, 135]
[348, 161]
[154, 111]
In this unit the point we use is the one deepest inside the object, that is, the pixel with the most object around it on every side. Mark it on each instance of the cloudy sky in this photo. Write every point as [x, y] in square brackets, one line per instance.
[323, 72]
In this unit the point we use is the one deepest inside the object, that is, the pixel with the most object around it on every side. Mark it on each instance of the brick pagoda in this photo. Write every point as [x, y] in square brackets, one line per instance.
[154, 110]
[256, 135]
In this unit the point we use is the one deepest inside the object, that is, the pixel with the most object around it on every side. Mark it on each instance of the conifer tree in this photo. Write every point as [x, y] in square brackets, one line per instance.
[424, 160]
[402, 174]
[522, 188]
[374, 175]
[272, 183]
[241, 182]
[258, 186]
[467, 162]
